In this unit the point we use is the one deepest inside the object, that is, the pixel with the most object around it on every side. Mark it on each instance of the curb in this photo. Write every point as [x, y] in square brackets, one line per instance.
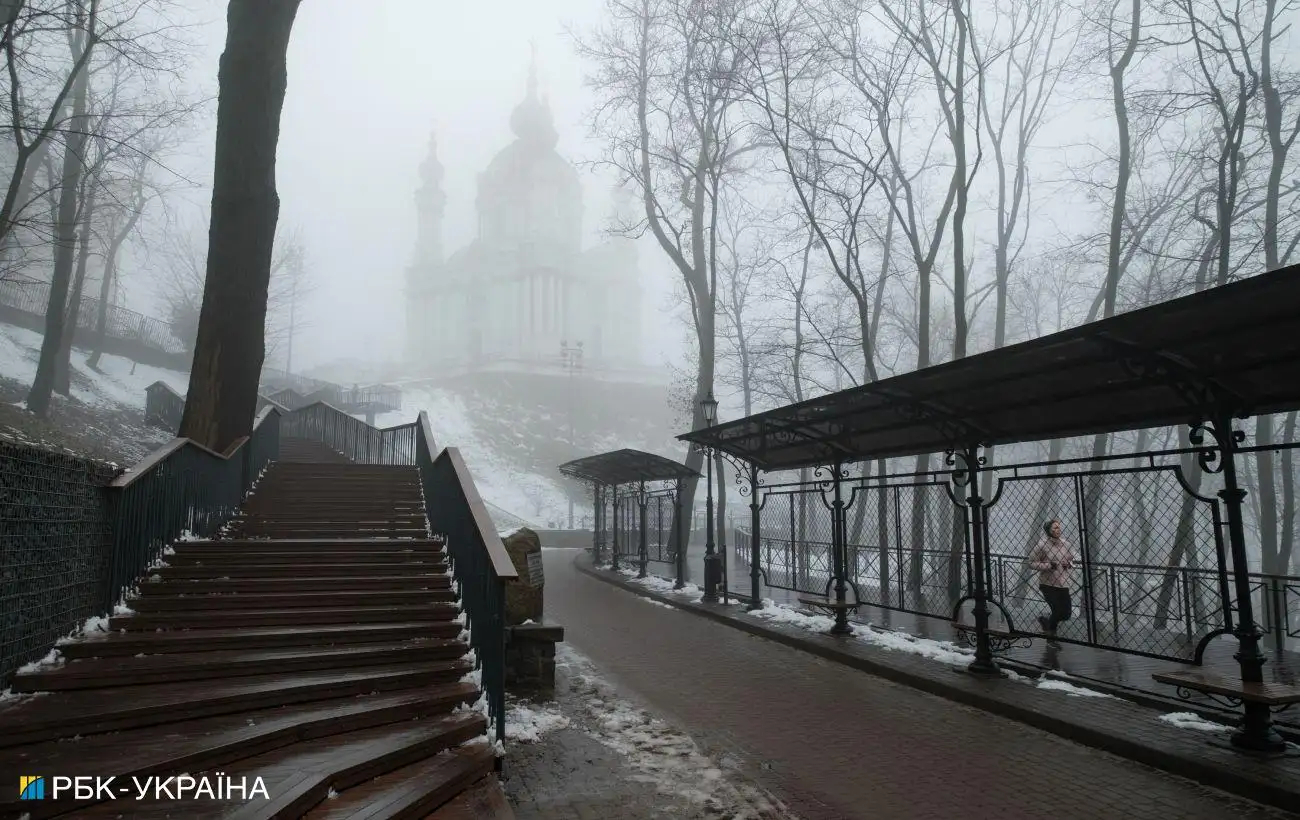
[1260, 789]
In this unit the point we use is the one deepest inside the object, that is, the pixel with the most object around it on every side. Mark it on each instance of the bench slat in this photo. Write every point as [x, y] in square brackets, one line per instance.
[1272, 694]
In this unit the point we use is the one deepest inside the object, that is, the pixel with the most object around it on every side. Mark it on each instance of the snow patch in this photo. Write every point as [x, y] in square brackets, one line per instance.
[663, 756]
[1191, 720]
[527, 722]
[1053, 685]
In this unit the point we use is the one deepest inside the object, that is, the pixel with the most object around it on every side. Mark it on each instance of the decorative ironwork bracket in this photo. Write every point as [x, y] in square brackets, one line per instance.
[1203, 394]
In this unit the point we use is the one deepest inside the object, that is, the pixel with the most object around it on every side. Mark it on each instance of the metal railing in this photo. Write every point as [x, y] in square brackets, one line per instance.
[478, 558]
[182, 487]
[351, 436]
[29, 296]
[76, 534]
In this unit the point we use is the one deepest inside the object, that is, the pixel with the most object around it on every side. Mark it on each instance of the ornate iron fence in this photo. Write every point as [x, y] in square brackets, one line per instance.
[1150, 575]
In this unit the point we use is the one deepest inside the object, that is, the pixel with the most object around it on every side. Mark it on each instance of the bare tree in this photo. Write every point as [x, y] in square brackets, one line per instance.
[231, 341]
[668, 76]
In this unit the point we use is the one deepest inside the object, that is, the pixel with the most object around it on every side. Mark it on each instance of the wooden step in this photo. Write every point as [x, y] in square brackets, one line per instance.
[116, 644]
[216, 601]
[203, 586]
[193, 745]
[333, 530]
[352, 512]
[223, 619]
[300, 776]
[485, 800]
[310, 546]
[411, 792]
[324, 567]
[248, 557]
[100, 673]
[37, 718]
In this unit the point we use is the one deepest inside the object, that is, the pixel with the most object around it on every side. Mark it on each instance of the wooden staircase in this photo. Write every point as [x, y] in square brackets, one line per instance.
[316, 645]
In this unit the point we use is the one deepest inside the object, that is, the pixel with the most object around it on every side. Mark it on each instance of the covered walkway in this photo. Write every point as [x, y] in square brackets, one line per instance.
[837, 744]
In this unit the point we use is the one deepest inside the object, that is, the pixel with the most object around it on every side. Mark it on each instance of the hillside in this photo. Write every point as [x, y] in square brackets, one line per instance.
[512, 430]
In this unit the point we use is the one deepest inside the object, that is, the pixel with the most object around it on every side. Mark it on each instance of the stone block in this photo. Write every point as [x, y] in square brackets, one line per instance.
[524, 595]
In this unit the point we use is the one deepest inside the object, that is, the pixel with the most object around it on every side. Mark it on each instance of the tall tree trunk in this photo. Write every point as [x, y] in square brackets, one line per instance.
[65, 231]
[1122, 173]
[231, 344]
[63, 364]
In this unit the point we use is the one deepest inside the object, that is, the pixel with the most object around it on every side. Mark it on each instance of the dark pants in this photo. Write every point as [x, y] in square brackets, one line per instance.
[1058, 598]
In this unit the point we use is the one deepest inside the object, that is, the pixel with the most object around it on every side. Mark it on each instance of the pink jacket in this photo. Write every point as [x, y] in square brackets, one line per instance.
[1053, 558]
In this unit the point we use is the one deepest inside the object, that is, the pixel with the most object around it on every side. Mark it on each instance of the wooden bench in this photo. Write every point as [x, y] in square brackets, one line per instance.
[1221, 688]
[830, 605]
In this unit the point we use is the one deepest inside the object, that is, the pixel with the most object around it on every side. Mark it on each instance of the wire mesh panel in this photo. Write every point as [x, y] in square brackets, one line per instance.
[660, 545]
[1147, 577]
[795, 542]
[628, 522]
[55, 552]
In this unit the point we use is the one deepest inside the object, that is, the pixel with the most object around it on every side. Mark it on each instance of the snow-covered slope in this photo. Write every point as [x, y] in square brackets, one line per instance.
[513, 432]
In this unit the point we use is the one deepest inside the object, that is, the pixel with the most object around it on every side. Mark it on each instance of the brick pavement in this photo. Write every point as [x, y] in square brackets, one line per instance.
[837, 743]
[605, 763]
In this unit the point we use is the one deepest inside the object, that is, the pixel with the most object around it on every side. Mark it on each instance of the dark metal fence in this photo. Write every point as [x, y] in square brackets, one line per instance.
[163, 407]
[77, 534]
[1151, 576]
[120, 323]
[352, 437]
[478, 560]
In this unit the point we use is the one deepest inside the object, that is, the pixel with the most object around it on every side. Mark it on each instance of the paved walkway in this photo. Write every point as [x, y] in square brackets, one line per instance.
[835, 743]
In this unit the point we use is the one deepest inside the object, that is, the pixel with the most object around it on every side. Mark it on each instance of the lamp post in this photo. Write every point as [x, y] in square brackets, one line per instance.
[572, 358]
[712, 562]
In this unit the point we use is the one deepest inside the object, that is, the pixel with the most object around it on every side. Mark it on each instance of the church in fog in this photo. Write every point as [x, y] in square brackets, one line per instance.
[508, 299]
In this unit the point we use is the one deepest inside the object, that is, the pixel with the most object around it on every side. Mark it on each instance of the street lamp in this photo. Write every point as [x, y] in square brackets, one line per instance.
[572, 358]
[712, 562]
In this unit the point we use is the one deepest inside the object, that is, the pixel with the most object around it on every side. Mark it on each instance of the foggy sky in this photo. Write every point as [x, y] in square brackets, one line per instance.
[368, 82]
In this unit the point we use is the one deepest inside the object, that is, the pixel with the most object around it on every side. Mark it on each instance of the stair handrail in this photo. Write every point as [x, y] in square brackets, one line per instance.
[181, 487]
[478, 559]
[346, 434]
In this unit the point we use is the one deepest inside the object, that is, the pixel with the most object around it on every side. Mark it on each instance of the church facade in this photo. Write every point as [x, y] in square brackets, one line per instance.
[525, 286]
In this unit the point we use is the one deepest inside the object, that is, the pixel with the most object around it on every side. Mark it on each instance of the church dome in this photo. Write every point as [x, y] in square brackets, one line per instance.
[529, 193]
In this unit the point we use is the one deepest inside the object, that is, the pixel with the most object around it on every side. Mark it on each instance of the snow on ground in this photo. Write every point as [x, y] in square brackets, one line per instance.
[527, 722]
[499, 481]
[690, 592]
[1191, 720]
[119, 382]
[661, 755]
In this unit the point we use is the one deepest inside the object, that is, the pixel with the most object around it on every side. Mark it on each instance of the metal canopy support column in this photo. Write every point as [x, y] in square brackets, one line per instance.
[595, 521]
[840, 549]
[1257, 733]
[682, 536]
[755, 555]
[643, 549]
[613, 495]
[984, 664]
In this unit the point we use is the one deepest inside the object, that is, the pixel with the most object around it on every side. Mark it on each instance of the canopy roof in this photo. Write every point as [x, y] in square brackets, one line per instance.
[625, 467]
[1233, 349]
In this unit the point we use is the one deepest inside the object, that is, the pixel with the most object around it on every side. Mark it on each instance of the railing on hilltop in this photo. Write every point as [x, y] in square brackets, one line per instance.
[478, 560]
[30, 296]
[351, 436]
[78, 533]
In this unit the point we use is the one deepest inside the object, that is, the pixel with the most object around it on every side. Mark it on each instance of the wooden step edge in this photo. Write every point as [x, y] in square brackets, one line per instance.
[485, 800]
[288, 601]
[219, 747]
[411, 792]
[200, 619]
[68, 678]
[116, 644]
[313, 792]
[20, 732]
